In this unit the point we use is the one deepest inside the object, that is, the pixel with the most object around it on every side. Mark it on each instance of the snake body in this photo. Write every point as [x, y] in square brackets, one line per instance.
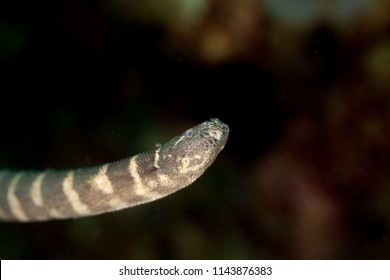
[27, 196]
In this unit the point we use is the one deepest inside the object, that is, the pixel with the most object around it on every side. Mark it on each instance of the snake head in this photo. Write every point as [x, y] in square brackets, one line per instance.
[189, 155]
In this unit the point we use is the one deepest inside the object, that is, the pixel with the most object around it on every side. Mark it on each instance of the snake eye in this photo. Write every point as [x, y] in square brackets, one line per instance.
[189, 133]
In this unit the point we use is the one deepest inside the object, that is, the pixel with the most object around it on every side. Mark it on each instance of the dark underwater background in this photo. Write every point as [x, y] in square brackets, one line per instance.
[303, 85]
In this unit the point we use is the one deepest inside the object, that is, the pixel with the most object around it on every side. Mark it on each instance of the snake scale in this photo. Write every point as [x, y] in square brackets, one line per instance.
[27, 196]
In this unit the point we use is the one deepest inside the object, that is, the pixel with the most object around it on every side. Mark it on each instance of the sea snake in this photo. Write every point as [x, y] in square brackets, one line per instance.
[27, 196]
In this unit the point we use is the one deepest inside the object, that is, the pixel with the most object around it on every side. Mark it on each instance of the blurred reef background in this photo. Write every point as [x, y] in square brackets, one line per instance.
[303, 85]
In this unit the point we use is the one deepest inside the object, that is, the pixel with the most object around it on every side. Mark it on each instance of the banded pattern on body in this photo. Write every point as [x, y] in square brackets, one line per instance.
[57, 194]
